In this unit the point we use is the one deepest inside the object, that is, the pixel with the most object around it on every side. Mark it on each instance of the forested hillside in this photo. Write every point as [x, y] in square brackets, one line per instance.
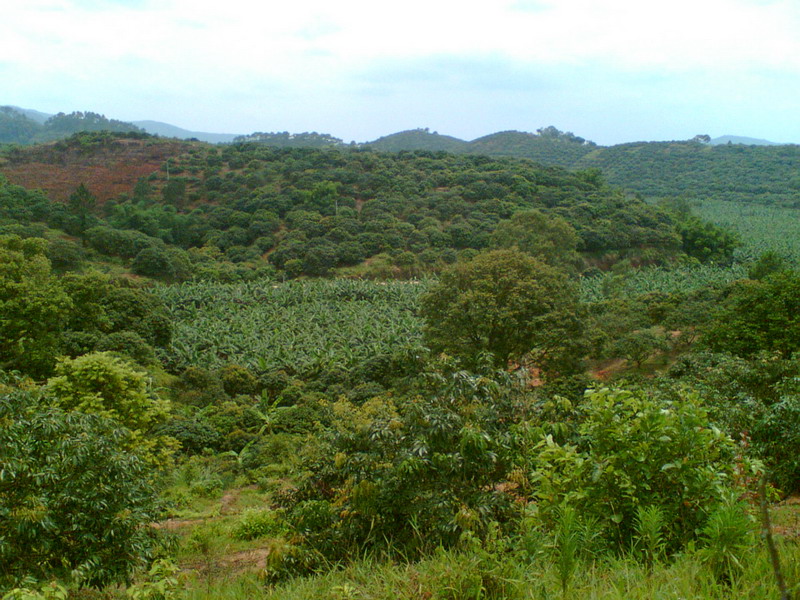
[691, 168]
[696, 168]
[315, 211]
[769, 174]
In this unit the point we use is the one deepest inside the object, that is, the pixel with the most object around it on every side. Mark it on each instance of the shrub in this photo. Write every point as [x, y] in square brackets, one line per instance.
[414, 472]
[129, 343]
[255, 523]
[238, 380]
[636, 451]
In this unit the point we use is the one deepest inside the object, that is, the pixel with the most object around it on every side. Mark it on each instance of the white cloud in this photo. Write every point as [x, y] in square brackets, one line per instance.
[206, 56]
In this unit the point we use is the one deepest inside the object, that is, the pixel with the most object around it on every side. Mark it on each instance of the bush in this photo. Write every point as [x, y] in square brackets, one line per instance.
[153, 262]
[129, 343]
[759, 315]
[238, 380]
[413, 472]
[254, 524]
[194, 435]
[636, 451]
[65, 254]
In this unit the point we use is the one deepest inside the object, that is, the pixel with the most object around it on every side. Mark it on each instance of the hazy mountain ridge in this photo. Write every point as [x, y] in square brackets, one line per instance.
[172, 131]
[25, 126]
[747, 141]
[511, 142]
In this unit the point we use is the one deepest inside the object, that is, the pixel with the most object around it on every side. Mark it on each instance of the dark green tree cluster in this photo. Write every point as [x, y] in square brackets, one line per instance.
[45, 316]
[291, 140]
[248, 208]
[689, 168]
[314, 211]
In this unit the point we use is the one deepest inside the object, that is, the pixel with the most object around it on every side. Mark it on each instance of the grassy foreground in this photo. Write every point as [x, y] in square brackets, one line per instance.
[477, 575]
[217, 562]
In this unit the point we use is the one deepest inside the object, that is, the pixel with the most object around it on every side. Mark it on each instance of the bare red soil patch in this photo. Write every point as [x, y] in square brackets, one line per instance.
[108, 171]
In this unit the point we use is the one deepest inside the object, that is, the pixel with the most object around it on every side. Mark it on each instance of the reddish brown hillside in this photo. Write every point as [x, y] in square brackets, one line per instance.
[107, 169]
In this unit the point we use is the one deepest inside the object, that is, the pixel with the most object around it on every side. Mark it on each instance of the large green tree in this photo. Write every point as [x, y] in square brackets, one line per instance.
[548, 237]
[74, 503]
[102, 384]
[506, 303]
[32, 306]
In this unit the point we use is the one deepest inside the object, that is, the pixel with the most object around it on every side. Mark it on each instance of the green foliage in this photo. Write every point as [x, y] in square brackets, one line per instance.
[161, 583]
[417, 139]
[650, 542]
[16, 127]
[755, 399]
[415, 473]
[81, 203]
[290, 140]
[508, 304]
[61, 125]
[758, 316]
[129, 343]
[32, 306]
[109, 308]
[316, 211]
[159, 262]
[705, 241]
[20, 205]
[102, 384]
[639, 345]
[304, 328]
[761, 228]
[237, 380]
[769, 263]
[152, 262]
[727, 539]
[254, 523]
[45, 316]
[571, 541]
[687, 168]
[48, 591]
[65, 255]
[116, 242]
[74, 503]
[549, 238]
[635, 451]
[686, 280]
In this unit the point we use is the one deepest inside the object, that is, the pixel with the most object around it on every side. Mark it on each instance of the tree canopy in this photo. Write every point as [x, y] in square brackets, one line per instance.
[75, 504]
[759, 315]
[506, 303]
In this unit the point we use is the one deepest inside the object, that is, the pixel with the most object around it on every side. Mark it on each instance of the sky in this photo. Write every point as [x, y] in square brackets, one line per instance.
[611, 71]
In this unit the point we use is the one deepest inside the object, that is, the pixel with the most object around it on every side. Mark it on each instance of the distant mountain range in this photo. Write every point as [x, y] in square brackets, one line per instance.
[414, 139]
[747, 141]
[167, 130]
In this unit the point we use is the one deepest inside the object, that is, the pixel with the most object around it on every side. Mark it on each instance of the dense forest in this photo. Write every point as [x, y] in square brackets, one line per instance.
[271, 370]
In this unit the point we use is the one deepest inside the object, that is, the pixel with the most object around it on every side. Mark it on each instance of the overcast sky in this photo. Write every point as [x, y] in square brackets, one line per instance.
[609, 70]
